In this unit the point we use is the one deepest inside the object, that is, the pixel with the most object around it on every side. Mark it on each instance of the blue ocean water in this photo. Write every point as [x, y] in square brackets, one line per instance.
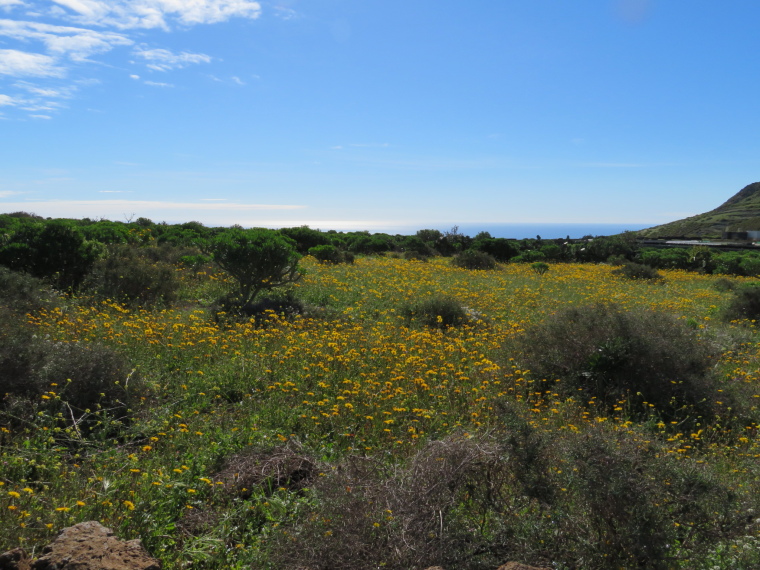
[521, 231]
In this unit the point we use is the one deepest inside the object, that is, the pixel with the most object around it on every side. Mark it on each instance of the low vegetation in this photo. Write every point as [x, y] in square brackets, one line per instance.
[383, 413]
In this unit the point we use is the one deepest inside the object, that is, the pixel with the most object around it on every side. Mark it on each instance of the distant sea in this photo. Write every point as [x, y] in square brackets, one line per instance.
[546, 231]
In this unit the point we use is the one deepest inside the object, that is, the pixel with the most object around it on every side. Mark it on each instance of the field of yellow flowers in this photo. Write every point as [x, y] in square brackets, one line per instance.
[351, 376]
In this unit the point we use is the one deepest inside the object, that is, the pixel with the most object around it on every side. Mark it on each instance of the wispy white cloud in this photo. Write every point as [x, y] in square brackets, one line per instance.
[8, 101]
[40, 116]
[51, 39]
[75, 43]
[285, 13]
[165, 60]
[60, 92]
[158, 84]
[126, 14]
[24, 64]
[611, 165]
[7, 5]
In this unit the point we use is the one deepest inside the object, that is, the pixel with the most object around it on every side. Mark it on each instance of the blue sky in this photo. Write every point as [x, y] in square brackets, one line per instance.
[369, 114]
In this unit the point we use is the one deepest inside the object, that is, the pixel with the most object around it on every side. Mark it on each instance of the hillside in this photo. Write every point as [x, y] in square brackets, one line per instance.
[741, 212]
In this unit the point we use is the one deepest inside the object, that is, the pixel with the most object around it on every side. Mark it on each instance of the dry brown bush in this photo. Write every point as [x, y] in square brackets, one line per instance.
[436, 509]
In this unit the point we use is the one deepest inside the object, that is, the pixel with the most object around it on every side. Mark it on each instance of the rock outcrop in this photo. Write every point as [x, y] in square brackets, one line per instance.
[85, 546]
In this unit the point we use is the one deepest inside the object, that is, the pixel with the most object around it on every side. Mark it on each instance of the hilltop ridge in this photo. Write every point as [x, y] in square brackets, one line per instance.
[741, 212]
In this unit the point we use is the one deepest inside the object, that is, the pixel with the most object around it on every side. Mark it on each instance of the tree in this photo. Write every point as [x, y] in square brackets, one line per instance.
[55, 250]
[258, 259]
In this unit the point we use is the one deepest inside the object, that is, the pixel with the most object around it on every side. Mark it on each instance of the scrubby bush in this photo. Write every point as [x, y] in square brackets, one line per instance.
[127, 276]
[600, 499]
[539, 268]
[745, 303]
[415, 245]
[415, 256]
[436, 312]
[615, 355]
[286, 305]
[259, 260]
[23, 293]
[599, 249]
[77, 378]
[634, 506]
[631, 270]
[473, 259]
[723, 284]
[529, 256]
[500, 248]
[435, 506]
[305, 238]
[330, 254]
[55, 251]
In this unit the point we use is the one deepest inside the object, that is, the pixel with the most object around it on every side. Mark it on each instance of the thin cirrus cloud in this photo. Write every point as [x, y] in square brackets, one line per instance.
[130, 14]
[43, 40]
[158, 84]
[165, 60]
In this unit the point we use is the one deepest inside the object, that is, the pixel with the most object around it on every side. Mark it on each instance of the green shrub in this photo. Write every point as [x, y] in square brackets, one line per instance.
[74, 378]
[23, 293]
[194, 261]
[330, 254]
[305, 238]
[616, 355]
[126, 276]
[631, 270]
[529, 256]
[632, 505]
[415, 256]
[474, 259]
[286, 305]
[723, 284]
[436, 312]
[55, 250]
[539, 268]
[259, 260]
[745, 303]
[501, 249]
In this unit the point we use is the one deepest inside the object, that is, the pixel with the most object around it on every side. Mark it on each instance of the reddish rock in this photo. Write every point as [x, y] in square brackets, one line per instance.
[518, 566]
